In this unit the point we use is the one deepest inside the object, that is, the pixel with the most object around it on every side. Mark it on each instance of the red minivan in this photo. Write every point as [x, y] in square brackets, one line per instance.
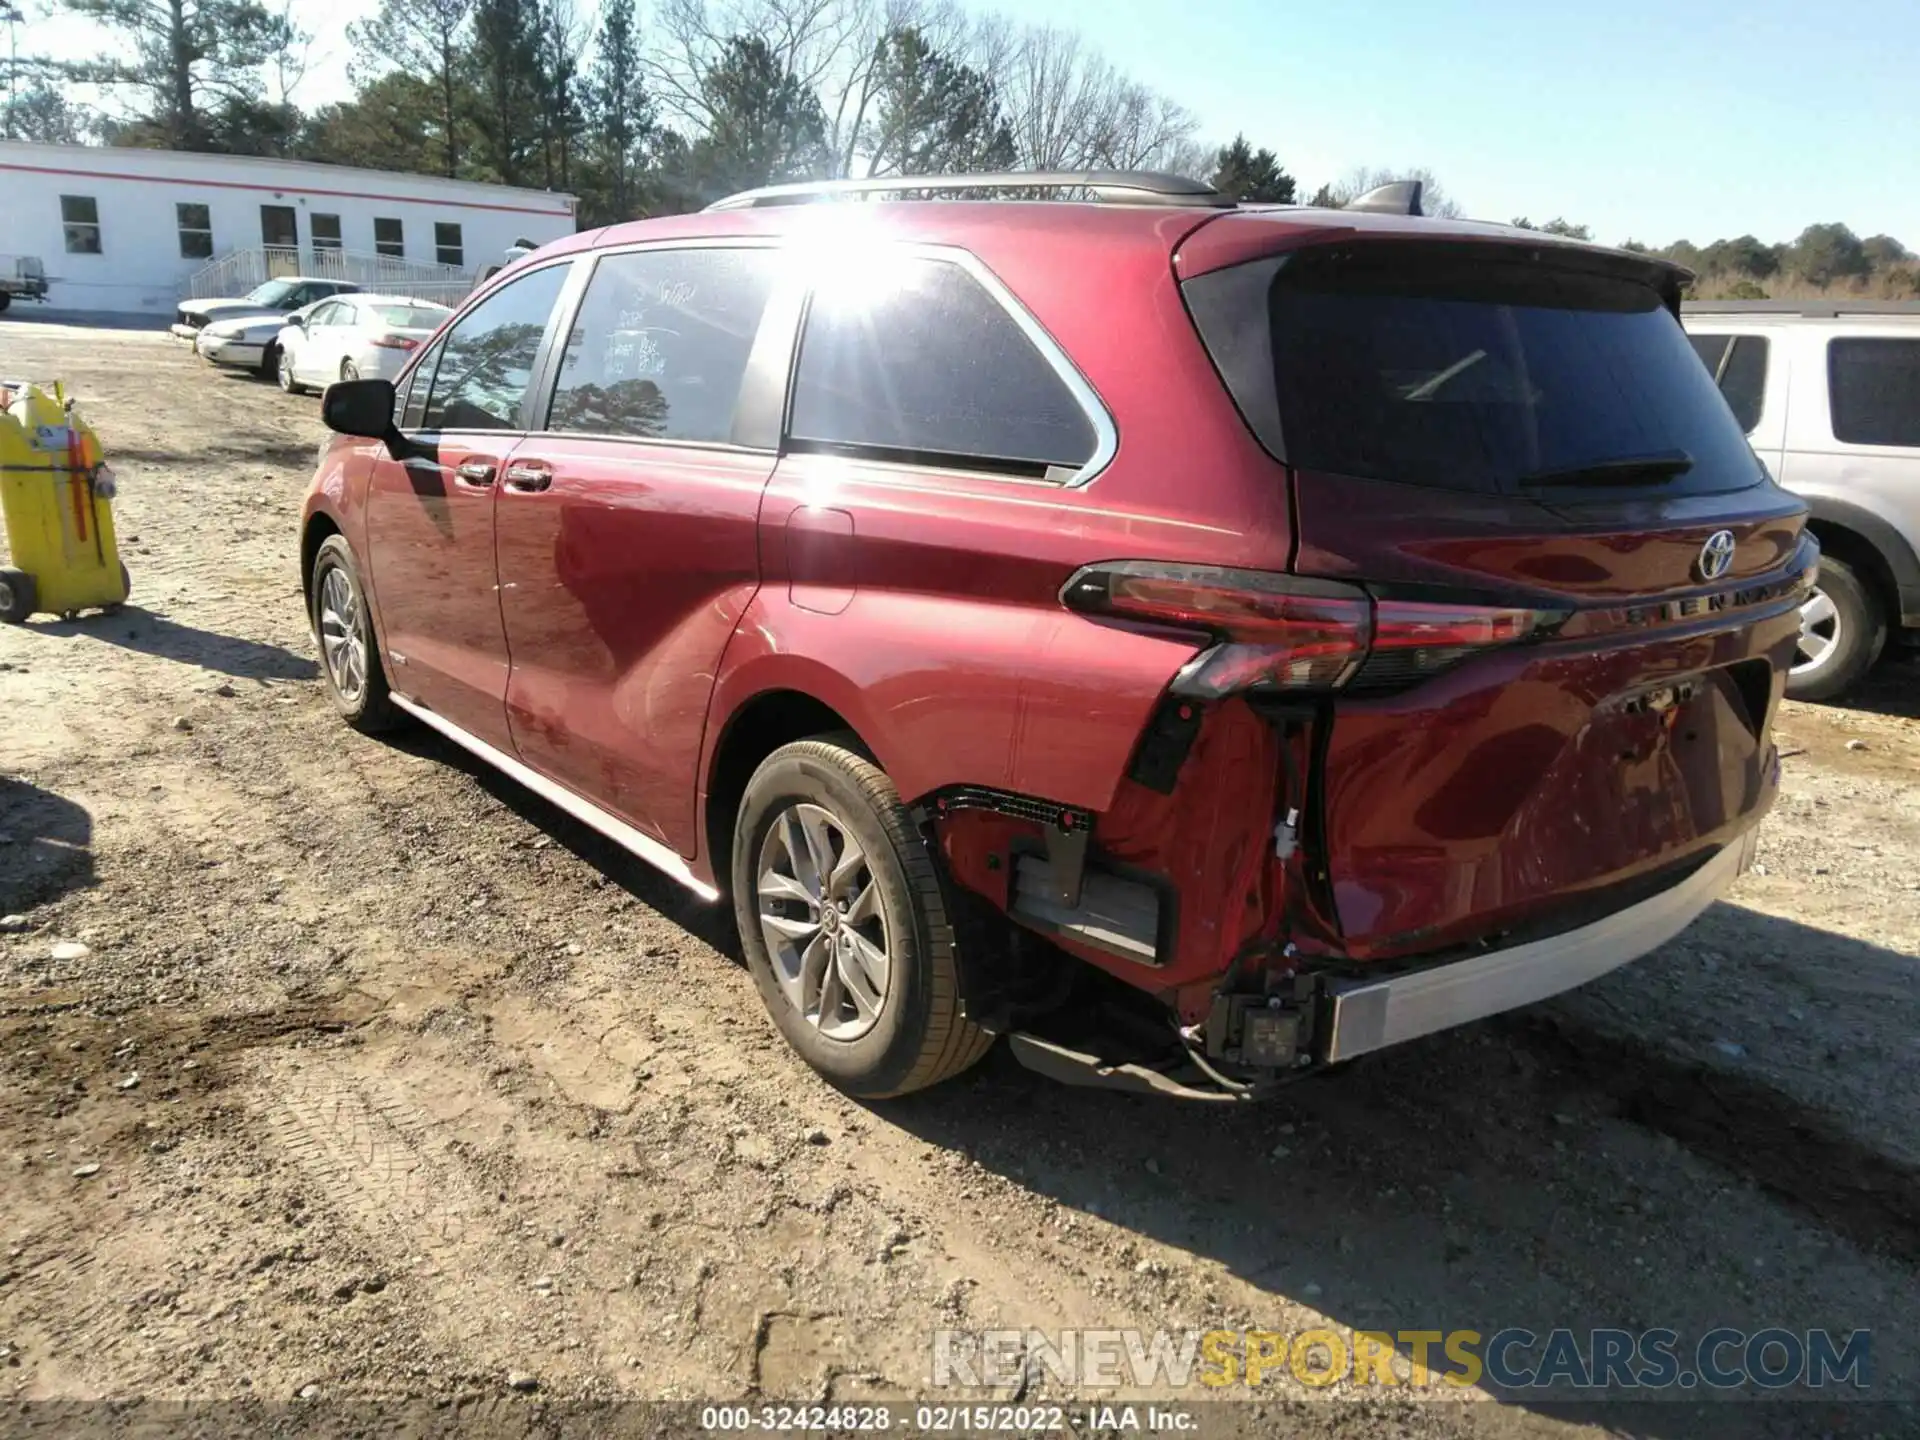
[1200, 641]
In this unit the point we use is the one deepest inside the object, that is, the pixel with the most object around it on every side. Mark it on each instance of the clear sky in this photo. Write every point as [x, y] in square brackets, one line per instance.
[1647, 119]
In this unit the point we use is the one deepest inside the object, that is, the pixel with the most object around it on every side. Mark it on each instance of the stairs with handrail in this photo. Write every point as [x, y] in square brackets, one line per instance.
[238, 271]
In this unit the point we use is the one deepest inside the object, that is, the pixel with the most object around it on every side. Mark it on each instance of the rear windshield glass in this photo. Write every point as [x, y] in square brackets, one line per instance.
[410, 317]
[1482, 374]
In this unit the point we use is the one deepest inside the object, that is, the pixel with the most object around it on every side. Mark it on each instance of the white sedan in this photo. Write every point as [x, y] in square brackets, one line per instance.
[354, 337]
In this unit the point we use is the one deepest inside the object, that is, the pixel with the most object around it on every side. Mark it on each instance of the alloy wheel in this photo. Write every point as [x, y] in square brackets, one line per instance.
[342, 636]
[825, 929]
[1819, 632]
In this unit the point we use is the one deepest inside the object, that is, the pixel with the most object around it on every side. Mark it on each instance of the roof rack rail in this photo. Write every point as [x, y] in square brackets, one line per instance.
[1125, 187]
[1811, 309]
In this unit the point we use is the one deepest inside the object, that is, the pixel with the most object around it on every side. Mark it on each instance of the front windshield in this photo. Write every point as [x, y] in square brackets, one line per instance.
[274, 292]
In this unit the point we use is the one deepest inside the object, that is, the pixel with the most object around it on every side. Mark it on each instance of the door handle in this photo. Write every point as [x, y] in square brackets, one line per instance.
[528, 475]
[476, 472]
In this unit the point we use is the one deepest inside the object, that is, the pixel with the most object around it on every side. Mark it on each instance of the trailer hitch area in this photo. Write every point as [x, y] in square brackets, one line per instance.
[1272, 1031]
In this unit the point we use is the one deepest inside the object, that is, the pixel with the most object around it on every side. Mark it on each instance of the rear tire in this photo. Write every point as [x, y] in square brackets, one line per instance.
[821, 827]
[18, 596]
[1843, 629]
[343, 629]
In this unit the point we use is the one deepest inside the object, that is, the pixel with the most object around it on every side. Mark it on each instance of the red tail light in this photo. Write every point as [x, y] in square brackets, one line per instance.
[1291, 632]
[394, 342]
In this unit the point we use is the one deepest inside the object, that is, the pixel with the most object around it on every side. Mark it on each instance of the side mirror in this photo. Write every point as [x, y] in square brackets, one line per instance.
[297, 320]
[359, 407]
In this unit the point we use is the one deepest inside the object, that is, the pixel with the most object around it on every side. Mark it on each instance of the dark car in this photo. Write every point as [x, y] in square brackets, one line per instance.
[272, 297]
[1206, 642]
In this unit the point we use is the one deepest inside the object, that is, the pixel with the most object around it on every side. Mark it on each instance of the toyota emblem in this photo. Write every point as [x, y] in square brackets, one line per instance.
[1716, 556]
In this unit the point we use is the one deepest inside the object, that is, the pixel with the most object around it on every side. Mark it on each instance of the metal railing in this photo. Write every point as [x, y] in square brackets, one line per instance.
[238, 271]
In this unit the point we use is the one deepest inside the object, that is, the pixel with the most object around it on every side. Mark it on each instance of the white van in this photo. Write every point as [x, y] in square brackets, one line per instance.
[1829, 394]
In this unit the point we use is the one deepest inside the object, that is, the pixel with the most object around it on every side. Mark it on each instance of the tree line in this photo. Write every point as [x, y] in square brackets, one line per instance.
[1824, 260]
[715, 96]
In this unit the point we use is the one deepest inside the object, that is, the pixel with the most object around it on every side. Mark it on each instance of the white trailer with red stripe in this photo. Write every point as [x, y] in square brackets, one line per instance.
[132, 232]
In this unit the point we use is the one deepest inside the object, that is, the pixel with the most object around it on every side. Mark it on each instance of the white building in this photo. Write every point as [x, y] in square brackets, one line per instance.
[132, 231]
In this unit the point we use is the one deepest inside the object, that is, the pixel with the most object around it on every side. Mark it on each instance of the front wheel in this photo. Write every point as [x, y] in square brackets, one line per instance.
[1842, 630]
[349, 371]
[284, 370]
[349, 655]
[844, 923]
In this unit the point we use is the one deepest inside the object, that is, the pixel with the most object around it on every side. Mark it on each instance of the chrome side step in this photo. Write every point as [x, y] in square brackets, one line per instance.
[585, 811]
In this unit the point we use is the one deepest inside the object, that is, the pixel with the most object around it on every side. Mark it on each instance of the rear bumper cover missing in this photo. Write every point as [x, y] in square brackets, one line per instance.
[1372, 1014]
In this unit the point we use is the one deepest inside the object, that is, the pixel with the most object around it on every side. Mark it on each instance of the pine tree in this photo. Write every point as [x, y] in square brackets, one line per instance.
[424, 39]
[935, 115]
[505, 87]
[190, 60]
[766, 124]
[1248, 174]
[619, 112]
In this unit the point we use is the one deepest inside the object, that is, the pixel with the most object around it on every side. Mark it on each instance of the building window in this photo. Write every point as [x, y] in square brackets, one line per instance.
[326, 232]
[447, 246]
[387, 238]
[80, 218]
[196, 231]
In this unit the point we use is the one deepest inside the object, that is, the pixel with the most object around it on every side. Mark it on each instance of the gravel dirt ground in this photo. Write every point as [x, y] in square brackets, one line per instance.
[341, 1067]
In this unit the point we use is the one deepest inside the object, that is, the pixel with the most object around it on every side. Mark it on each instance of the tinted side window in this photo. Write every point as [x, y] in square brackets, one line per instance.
[1711, 349]
[915, 359]
[488, 356]
[1875, 389]
[1743, 379]
[660, 344]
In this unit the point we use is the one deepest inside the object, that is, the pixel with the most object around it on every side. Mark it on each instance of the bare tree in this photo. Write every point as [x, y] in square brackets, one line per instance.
[1071, 110]
[1050, 91]
[1138, 128]
[291, 63]
[831, 47]
[806, 38]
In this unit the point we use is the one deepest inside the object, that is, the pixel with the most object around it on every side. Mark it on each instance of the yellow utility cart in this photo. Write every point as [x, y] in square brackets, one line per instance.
[55, 496]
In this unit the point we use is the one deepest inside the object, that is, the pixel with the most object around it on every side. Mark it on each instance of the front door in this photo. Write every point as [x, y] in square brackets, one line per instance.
[430, 516]
[280, 234]
[626, 531]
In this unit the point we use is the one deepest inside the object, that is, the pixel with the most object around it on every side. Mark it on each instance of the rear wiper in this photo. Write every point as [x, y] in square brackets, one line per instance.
[1627, 470]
